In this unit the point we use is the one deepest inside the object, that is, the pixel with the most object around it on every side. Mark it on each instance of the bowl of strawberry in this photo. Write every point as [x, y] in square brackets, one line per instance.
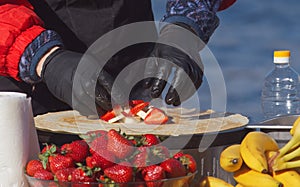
[111, 158]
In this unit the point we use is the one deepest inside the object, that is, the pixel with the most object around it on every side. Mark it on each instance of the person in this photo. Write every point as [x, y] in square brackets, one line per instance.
[42, 43]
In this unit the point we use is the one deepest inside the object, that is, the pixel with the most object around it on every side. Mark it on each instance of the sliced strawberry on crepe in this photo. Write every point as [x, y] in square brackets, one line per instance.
[132, 103]
[134, 110]
[156, 116]
[108, 115]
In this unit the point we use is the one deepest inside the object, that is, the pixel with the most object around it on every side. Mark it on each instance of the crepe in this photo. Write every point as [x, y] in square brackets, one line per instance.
[181, 122]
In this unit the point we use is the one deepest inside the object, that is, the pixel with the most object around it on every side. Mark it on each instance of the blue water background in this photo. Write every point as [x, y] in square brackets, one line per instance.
[243, 45]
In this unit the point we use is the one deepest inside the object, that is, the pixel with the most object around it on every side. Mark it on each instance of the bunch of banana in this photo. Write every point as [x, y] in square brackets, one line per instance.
[251, 151]
[258, 161]
[249, 162]
[289, 155]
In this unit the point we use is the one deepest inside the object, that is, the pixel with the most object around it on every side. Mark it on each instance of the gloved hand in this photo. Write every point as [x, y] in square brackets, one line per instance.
[80, 81]
[177, 48]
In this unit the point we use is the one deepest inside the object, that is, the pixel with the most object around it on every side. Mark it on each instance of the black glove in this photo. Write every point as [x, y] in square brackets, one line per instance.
[79, 81]
[178, 49]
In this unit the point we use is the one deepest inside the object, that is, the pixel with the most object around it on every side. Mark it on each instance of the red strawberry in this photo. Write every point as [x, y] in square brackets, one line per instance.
[118, 145]
[97, 133]
[173, 168]
[98, 144]
[108, 115]
[51, 149]
[48, 151]
[78, 150]
[44, 175]
[64, 175]
[104, 181]
[132, 103]
[141, 160]
[83, 174]
[159, 153]
[58, 162]
[102, 159]
[153, 172]
[150, 139]
[33, 166]
[92, 135]
[156, 117]
[138, 107]
[189, 162]
[120, 173]
[178, 155]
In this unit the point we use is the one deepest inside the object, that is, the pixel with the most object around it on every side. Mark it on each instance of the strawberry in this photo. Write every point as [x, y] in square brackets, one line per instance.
[64, 175]
[178, 155]
[102, 159]
[152, 173]
[50, 149]
[132, 103]
[140, 160]
[120, 173]
[150, 139]
[92, 135]
[78, 150]
[83, 174]
[58, 162]
[156, 117]
[44, 175]
[97, 133]
[33, 166]
[173, 168]
[47, 151]
[118, 145]
[98, 144]
[104, 181]
[108, 115]
[134, 110]
[159, 153]
[189, 162]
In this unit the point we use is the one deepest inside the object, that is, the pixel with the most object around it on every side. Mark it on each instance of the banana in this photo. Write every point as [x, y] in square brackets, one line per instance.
[277, 164]
[295, 125]
[239, 185]
[289, 178]
[251, 178]
[253, 149]
[281, 165]
[294, 141]
[291, 155]
[230, 158]
[210, 181]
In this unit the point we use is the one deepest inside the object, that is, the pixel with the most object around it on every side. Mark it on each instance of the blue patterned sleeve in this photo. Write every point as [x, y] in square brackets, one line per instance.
[200, 15]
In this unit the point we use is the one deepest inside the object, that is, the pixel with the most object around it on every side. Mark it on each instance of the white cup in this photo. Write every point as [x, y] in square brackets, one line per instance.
[19, 141]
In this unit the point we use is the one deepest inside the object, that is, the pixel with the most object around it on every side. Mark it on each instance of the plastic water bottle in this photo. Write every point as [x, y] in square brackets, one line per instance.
[280, 92]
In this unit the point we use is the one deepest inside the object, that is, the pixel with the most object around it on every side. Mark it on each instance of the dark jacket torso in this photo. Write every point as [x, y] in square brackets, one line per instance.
[80, 23]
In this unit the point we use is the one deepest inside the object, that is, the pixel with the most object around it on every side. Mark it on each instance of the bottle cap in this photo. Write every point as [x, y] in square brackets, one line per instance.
[282, 56]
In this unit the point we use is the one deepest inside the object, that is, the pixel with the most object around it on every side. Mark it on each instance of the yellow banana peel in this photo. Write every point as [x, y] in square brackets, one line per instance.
[253, 148]
[210, 181]
[251, 178]
[295, 125]
[289, 178]
[294, 141]
[230, 158]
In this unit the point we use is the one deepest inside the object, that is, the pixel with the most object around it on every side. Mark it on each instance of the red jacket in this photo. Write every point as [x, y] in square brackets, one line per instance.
[19, 25]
